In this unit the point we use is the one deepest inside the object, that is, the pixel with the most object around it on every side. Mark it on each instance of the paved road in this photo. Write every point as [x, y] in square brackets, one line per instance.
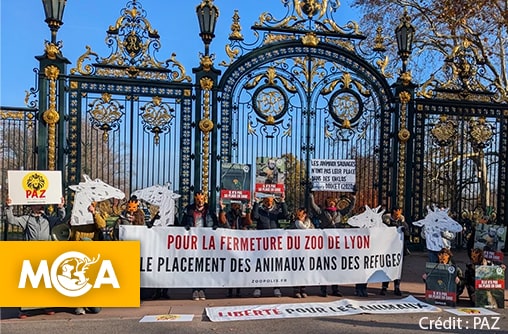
[127, 320]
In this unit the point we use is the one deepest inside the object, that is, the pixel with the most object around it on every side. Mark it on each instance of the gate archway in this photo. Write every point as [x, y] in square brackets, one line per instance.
[302, 102]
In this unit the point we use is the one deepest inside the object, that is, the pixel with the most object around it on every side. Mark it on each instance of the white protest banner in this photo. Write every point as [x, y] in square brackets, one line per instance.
[174, 257]
[304, 310]
[34, 187]
[333, 175]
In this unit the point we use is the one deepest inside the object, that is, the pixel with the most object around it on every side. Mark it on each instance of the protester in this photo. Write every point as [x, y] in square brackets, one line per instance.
[36, 226]
[199, 215]
[435, 242]
[90, 231]
[267, 216]
[329, 217]
[235, 219]
[133, 214]
[302, 222]
[395, 218]
[445, 256]
[477, 259]
[99, 225]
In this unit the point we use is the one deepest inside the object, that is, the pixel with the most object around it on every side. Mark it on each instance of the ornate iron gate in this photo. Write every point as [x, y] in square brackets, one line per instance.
[460, 157]
[130, 115]
[306, 92]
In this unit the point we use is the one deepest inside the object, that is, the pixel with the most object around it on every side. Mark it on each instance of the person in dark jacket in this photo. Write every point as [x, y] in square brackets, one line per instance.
[267, 216]
[269, 213]
[395, 218]
[199, 214]
[445, 256]
[234, 219]
[329, 217]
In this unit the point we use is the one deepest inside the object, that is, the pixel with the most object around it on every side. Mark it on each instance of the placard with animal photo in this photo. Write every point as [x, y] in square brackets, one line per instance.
[270, 175]
[492, 239]
[440, 286]
[235, 182]
[489, 287]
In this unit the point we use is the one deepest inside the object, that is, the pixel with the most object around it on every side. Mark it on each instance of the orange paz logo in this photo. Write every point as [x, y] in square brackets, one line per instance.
[69, 274]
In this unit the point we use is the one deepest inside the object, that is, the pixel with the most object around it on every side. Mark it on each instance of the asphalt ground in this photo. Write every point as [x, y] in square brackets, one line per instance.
[180, 302]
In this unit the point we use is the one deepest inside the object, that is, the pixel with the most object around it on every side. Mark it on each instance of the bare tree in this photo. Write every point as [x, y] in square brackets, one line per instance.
[441, 28]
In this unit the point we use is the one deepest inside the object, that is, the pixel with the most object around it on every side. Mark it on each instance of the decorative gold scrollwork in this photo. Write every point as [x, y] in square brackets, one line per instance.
[205, 125]
[319, 11]
[206, 62]
[310, 39]
[133, 41]
[157, 117]
[51, 116]
[406, 78]
[444, 132]
[52, 50]
[105, 114]
[236, 28]
[480, 132]
[404, 97]
[404, 135]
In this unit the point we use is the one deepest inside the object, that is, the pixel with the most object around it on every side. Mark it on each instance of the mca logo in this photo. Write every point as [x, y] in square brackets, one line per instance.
[69, 274]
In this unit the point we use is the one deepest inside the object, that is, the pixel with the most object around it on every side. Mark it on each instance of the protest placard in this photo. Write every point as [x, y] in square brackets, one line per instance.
[235, 182]
[333, 175]
[440, 286]
[29, 187]
[489, 286]
[270, 175]
[492, 239]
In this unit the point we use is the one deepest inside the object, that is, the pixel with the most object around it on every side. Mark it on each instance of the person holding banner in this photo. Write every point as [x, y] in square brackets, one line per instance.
[267, 216]
[199, 214]
[446, 257]
[329, 217]
[477, 259]
[37, 225]
[234, 219]
[395, 218]
[302, 222]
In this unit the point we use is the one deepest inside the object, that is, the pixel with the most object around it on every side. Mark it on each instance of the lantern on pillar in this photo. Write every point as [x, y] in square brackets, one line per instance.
[207, 14]
[53, 9]
[405, 34]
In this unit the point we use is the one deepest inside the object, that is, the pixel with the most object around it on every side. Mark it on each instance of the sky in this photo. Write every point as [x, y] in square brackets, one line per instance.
[23, 32]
